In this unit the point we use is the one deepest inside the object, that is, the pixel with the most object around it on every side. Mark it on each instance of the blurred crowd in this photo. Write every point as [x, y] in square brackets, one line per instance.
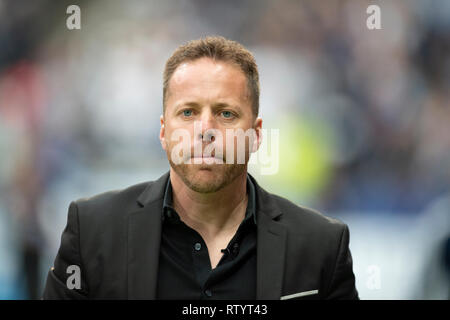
[364, 115]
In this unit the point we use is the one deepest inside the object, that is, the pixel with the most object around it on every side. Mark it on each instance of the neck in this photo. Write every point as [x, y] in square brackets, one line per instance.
[211, 213]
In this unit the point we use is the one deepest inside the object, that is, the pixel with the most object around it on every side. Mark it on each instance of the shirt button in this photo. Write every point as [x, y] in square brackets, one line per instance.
[208, 293]
[198, 246]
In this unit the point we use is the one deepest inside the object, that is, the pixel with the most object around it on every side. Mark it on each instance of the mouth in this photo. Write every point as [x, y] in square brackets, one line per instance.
[205, 157]
[209, 159]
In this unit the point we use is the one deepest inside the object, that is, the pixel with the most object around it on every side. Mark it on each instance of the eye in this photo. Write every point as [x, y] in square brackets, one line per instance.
[187, 113]
[227, 114]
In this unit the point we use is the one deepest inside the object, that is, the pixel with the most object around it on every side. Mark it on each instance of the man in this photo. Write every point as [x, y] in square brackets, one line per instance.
[205, 229]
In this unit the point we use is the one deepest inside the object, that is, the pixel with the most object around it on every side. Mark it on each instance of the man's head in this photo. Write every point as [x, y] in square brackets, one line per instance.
[211, 83]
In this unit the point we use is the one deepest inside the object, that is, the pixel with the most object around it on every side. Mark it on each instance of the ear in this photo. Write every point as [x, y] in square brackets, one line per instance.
[162, 132]
[257, 126]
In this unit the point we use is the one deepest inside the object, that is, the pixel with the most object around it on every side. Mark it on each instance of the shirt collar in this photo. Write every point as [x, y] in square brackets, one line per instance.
[169, 212]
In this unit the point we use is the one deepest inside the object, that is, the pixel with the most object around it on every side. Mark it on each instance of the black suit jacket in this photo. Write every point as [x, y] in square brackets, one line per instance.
[114, 239]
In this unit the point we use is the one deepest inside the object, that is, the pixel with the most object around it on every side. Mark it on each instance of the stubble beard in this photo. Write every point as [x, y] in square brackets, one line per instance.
[221, 175]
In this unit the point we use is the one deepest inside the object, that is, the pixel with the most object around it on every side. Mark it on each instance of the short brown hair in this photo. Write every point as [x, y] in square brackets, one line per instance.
[220, 49]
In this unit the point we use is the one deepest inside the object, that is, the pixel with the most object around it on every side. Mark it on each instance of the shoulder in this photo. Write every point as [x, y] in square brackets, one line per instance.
[295, 211]
[311, 232]
[307, 221]
[111, 202]
[295, 217]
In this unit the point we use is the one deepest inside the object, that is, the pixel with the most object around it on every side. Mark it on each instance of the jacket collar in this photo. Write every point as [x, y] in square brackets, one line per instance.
[270, 246]
[144, 238]
[154, 190]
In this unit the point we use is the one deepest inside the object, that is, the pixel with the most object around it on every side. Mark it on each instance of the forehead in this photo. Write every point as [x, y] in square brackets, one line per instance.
[206, 74]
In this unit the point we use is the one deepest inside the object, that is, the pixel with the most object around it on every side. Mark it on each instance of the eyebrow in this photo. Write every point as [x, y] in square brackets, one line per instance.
[191, 104]
[218, 105]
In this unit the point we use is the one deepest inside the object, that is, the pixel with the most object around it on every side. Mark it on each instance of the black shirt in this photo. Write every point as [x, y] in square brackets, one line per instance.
[184, 266]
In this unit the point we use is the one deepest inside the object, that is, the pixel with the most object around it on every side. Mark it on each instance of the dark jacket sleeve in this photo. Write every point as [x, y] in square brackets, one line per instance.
[60, 278]
[342, 284]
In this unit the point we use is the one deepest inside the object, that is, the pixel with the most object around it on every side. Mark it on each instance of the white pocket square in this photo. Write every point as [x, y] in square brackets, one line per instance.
[299, 294]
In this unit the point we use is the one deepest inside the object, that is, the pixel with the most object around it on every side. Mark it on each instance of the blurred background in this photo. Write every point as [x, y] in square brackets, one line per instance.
[363, 118]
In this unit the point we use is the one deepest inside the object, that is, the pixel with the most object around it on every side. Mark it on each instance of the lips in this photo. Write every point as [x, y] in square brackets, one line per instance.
[210, 158]
[205, 157]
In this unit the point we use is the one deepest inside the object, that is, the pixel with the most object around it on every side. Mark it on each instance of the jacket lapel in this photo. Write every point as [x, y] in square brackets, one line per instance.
[144, 236]
[271, 247]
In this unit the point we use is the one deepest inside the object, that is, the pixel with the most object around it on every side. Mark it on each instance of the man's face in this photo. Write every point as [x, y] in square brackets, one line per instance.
[207, 100]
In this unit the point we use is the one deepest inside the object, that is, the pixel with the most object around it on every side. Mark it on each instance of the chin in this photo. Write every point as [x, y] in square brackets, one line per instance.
[205, 179]
[208, 178]
[201, 185]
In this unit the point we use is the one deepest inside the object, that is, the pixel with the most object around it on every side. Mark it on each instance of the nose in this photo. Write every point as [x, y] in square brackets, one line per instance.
[208, 136]
[208, 126]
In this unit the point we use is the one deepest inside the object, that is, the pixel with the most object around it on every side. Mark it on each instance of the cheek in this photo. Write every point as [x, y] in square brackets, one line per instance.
[238, 140]
[178, 136]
